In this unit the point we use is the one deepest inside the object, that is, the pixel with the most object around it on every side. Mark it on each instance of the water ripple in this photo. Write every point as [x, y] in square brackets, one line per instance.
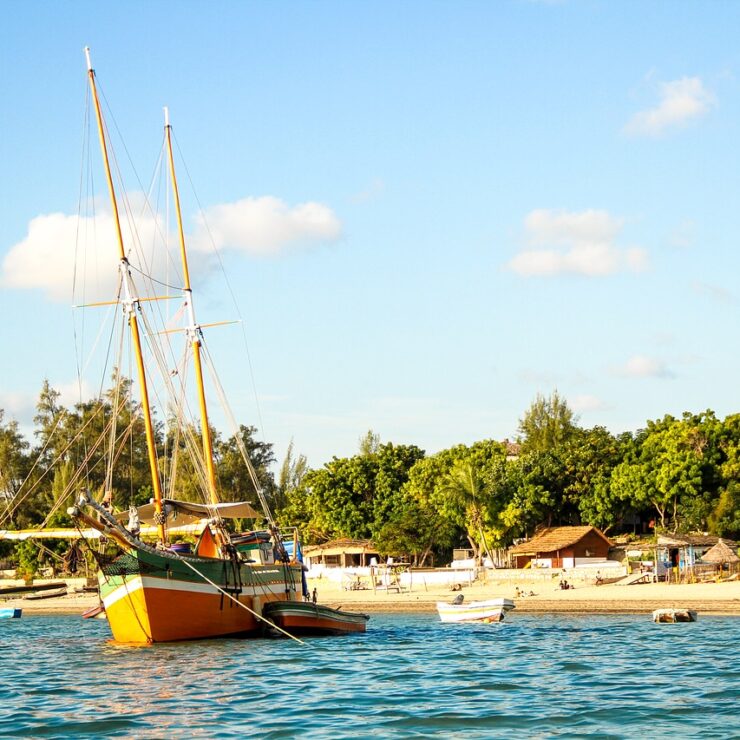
[408, 676]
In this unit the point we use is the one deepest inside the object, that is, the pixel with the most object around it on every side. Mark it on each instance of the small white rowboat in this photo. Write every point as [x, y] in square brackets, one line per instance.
[492, 610]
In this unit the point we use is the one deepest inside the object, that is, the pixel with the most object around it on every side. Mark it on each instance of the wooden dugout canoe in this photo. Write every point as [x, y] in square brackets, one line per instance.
[305, 618]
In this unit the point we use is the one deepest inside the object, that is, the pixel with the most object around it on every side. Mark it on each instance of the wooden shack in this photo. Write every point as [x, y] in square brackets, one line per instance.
[562, 547]
[342, 553]
[685, 555]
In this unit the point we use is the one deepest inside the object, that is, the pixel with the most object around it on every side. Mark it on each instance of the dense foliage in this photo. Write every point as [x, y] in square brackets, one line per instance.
[673, 475]
[99, 446]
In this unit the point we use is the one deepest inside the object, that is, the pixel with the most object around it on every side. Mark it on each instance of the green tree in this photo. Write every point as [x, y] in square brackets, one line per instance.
[471, 494]
[464, 487]
[292, 472]
[537, 493]
[547, 424]
[673, 467]
[352, 497]
[14, 465]
[588, 459]
[427, 525]
[413, 529]
[724, 520]
[369, 443]
[48, 415]
[233, 475]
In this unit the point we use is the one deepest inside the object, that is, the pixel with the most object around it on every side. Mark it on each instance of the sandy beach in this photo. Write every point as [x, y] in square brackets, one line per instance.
[705, 598]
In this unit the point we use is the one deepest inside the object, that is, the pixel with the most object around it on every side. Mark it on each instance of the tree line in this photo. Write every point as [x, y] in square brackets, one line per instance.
[100, 446]
[675, 474]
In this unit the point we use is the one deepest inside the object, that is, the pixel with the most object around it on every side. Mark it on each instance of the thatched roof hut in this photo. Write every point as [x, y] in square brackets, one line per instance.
[344, 553]
[721, 553]
[562, 546]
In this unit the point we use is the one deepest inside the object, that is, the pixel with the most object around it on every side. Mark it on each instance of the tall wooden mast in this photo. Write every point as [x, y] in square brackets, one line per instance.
[193, 329]
[130, 306]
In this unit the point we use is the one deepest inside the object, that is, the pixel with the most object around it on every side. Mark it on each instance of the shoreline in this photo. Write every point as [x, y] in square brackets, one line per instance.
[706, 598]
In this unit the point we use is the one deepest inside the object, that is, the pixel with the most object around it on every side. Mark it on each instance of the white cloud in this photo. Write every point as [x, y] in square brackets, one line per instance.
[265, 225]
[58, 245]
[715, 292]
[18, 406]
[45, 258]
[580, 243]
[61, 253]
[680, 102]
[73, 393]
[640, 366]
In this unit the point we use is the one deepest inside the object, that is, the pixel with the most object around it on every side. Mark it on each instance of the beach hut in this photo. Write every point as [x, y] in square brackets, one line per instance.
[721, 553]
[684, 554]
[722, 556]
[562, 547]
[342, 553]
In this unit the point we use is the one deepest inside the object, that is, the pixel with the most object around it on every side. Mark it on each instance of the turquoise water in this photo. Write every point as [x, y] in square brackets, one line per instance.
[407, 676]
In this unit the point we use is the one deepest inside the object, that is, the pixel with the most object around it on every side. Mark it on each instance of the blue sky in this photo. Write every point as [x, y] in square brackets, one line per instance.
[429, 212]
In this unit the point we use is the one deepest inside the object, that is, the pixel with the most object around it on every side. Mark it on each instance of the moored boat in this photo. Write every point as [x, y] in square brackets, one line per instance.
[94, 612]
[50, 594]
[669, 616]
[10, 613]
[12, 591]
[492, 610]
[156, 592]
[306, 618]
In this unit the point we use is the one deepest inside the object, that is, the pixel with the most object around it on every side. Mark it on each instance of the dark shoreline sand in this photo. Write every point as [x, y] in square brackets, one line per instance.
[705, 598]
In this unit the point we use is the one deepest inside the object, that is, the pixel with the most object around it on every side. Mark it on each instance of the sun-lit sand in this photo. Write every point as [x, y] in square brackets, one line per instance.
[705, 598]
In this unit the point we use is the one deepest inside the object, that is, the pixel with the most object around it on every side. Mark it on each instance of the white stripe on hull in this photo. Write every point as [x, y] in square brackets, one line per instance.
[136, 583]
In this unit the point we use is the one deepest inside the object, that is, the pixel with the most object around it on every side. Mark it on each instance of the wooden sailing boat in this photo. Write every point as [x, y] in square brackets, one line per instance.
[154, 592]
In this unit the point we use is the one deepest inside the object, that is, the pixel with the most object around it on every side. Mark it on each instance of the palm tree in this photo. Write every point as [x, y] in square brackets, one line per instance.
[464, 484]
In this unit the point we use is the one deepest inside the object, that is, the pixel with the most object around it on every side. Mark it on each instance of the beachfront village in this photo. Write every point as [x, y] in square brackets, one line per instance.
[660, 503]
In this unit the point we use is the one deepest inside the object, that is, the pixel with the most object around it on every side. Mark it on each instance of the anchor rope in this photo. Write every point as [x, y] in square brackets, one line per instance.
[243, 606]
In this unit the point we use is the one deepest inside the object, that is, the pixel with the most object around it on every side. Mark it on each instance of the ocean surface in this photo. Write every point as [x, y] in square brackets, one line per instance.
[407, 676]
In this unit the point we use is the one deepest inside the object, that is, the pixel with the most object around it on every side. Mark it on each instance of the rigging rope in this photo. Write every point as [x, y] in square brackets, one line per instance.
[228, 285]
[243, 606]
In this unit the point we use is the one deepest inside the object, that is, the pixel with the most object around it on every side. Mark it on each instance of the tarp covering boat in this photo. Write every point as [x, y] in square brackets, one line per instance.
[188, 512]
